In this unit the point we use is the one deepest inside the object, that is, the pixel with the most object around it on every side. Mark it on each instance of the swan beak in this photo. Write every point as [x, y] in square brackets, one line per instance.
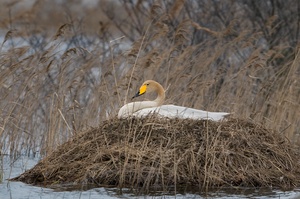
[136, 95]
[141, 91]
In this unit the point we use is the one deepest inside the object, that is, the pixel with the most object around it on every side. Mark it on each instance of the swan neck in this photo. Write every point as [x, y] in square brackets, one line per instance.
[160, 95]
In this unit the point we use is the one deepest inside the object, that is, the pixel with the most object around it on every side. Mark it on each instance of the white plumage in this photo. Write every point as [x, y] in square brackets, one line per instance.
[144, 108]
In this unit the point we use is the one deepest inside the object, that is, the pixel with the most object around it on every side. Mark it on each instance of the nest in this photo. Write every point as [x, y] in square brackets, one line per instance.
[155, 152]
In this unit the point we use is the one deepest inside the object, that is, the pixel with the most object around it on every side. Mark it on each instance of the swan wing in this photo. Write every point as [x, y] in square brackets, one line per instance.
[172, 111]
[130, 108]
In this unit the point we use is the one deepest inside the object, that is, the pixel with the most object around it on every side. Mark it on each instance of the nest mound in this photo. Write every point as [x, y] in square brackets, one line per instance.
[151, 152]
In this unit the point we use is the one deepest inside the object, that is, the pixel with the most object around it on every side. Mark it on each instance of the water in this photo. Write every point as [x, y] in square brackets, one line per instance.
[19, 190]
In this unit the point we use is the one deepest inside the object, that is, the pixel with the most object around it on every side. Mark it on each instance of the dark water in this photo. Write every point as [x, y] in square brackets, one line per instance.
[20, 190]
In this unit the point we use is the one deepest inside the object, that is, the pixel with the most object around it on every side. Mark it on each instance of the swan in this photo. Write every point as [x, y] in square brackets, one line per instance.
[144, 108]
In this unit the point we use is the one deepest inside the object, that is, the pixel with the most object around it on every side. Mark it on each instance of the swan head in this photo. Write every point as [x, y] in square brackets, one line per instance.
[148, 86]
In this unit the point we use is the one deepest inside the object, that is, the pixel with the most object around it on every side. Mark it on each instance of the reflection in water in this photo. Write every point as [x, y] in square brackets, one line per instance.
[20, 190]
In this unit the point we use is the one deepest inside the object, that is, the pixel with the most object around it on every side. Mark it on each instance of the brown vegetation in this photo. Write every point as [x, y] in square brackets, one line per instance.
[64, 68]
[158, 153]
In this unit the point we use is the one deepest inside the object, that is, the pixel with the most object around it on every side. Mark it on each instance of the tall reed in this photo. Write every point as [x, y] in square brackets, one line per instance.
[57, 79]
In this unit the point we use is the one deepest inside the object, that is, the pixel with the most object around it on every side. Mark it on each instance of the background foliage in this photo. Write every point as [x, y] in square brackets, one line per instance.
[68, 65]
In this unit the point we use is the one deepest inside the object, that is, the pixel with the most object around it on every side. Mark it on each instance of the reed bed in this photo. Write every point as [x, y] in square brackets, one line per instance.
[159, 153]
[61, 76]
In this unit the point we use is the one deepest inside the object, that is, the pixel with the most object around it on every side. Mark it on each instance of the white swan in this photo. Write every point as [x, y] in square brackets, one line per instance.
[144, 108]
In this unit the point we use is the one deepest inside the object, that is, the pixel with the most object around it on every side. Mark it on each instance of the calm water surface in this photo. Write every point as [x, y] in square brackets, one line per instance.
[19, 190]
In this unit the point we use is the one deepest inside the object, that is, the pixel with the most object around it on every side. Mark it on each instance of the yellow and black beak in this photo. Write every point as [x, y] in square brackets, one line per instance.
[141, 91]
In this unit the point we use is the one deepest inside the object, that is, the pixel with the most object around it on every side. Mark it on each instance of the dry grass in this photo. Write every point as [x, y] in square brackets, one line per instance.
[58, 77]
[152, 153]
